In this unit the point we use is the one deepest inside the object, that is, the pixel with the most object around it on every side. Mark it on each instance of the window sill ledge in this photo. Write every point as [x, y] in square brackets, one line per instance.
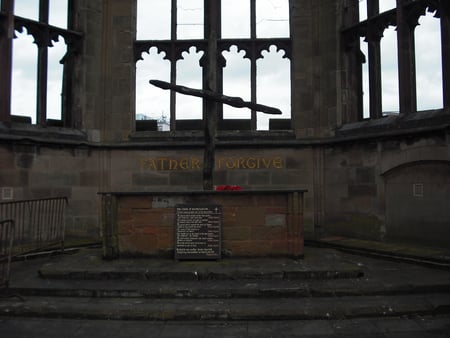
[223, 137]
[396, 124]
[22, 131]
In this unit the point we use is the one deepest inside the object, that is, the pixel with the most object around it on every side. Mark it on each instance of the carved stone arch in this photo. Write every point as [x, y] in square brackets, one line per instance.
[394, 170]
[225, 46]
[141, 47]
[266, 48]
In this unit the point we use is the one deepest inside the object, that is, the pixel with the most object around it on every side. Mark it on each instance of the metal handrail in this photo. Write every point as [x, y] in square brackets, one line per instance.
[39, 223]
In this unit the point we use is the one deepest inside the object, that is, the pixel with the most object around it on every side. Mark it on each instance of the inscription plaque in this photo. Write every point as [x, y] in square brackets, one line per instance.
[198, 232]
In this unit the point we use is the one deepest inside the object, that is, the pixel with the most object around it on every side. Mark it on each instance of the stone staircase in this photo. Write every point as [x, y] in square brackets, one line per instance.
[327, 284]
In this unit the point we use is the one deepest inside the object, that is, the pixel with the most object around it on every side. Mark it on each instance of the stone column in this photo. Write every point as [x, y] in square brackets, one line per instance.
[107, 89]
[406, 60]
[315, 66]
[6, 36]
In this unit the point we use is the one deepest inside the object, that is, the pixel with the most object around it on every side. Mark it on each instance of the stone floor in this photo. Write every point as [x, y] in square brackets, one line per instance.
[329, 293]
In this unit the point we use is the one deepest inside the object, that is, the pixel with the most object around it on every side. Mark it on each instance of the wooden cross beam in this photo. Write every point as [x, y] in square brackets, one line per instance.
[233, 101]
[211, 124]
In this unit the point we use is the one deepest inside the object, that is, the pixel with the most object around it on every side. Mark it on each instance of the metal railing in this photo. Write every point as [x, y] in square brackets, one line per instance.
[6, 244]
[38, 223]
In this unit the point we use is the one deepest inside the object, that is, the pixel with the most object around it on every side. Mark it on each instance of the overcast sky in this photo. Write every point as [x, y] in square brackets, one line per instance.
[273, 70]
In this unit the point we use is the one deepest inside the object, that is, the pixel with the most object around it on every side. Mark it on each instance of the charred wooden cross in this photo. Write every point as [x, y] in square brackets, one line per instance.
[211, 125]
[233, 101]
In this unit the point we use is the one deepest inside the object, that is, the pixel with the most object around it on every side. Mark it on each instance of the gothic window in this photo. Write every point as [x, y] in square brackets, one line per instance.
[402, 57]
[253, 50]
[36, 53]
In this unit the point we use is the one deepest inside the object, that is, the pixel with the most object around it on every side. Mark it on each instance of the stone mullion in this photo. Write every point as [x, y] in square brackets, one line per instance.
[445, 45]
[373, 38]
[42, 65]
[6, 45]
[375, 88]
[406, 60]
[173, 64]
[352, 103]
[253, 66]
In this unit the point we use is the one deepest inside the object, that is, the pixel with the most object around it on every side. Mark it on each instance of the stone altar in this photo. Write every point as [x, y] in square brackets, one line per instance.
[254, 223]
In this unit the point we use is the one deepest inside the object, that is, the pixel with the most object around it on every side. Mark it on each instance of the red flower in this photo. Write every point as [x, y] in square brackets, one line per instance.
[228, 188]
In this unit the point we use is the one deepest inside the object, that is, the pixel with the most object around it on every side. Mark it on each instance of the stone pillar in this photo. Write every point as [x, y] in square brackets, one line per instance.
[445, 38]
[315, 66]
[373, 38]
[107, 89]
[6, 36]
[406, 59]
[349, 85]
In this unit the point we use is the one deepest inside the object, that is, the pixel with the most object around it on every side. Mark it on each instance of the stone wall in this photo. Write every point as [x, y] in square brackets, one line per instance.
[36, 170]
[392, 189]
[32, 171]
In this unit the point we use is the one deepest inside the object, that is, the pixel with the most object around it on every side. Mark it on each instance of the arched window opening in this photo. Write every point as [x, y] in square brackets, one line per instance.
[236, 82]
[273, 88]
[24, 79]
[389, 72]
[40, 60]
[407, 59]
[189, 73]
[55, 80]
[428, 63]
[151, 103]
[365, 80]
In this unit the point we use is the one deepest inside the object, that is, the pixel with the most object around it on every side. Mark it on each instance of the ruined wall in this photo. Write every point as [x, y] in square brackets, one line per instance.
[31, 171]
[394, 189]
[34, 170]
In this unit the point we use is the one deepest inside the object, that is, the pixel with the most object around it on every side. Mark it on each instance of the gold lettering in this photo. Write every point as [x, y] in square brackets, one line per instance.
[278, 163]
[184, 163]
[230, 164]
[162, 161]
[152, 164]
[241, 163]
[251, 163]
[173, 165]
[195, 163]
[266, 162]
[220, 163]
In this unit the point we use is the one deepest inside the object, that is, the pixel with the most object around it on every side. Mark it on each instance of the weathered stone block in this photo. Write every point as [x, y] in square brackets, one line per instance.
[276, 220]
[149, 179]
[362, 190]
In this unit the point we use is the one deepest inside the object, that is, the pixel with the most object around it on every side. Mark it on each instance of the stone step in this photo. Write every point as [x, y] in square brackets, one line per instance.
[88, 265]
[227, 309]
[199, 275]
[223, 288]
